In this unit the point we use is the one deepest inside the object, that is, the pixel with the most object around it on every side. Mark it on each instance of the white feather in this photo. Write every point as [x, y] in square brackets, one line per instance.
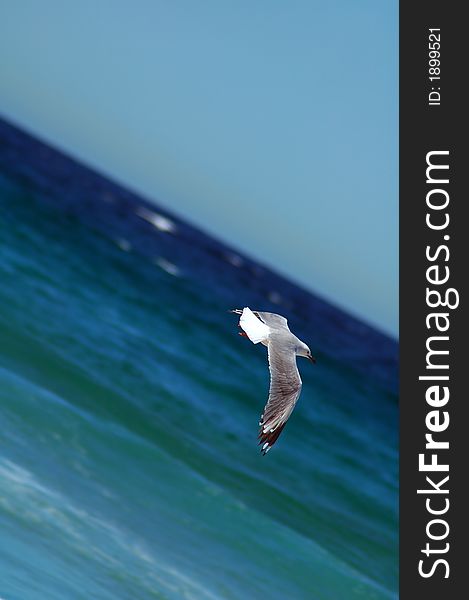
[255, 329]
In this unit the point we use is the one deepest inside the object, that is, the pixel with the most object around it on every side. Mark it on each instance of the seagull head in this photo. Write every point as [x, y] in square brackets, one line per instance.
[303, 350]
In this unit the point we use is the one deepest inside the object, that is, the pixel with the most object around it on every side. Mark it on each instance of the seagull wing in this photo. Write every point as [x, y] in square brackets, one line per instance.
[285, 388]
[272, 320]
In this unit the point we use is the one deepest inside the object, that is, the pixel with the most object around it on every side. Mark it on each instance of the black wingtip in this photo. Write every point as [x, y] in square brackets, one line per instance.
[268, 438]
[265, 450]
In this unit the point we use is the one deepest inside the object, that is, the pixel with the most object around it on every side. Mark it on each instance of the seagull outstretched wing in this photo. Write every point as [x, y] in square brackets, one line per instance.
[285, 389]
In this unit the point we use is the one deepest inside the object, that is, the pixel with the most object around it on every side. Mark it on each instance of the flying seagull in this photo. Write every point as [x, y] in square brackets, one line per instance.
[285, 383]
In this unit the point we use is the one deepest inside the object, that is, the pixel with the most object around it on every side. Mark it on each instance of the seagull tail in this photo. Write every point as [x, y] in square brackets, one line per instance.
[256, 330]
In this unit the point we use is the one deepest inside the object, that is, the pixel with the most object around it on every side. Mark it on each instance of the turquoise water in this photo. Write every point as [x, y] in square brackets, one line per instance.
[129, 407]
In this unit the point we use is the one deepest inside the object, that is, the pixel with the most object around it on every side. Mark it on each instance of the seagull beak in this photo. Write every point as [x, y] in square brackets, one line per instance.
[312, 359]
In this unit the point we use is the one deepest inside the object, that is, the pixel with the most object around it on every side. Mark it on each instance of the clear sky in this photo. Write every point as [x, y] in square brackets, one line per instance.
[270, 123]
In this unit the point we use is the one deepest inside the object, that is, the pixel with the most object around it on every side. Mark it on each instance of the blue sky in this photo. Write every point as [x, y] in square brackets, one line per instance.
[271, 124]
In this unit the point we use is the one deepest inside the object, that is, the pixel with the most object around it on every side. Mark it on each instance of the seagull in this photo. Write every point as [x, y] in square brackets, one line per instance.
[285, 383]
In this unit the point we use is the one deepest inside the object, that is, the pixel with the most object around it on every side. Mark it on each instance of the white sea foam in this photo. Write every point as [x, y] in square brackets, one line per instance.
[123, 244]
[159, 221]
[167, 266]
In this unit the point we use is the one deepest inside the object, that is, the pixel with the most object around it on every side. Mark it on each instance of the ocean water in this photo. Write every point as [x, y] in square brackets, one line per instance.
[129, 466]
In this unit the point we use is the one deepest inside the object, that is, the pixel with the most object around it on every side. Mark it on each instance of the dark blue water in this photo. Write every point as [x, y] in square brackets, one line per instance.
[129, 409]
